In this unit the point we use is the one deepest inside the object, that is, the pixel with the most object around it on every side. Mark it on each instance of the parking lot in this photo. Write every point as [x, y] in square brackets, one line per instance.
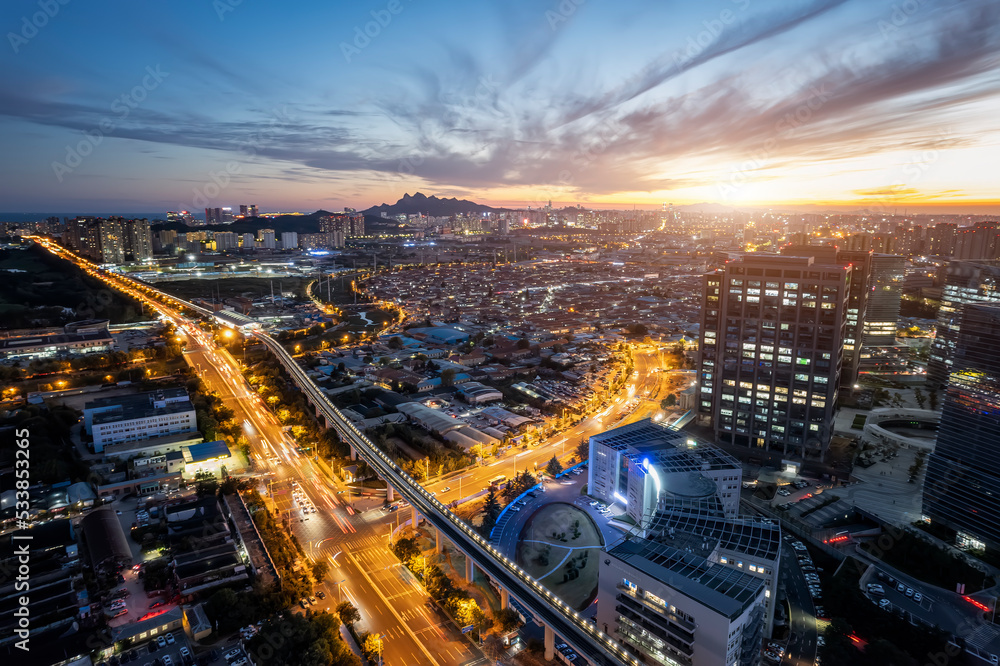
[171, 649]
[892, 594]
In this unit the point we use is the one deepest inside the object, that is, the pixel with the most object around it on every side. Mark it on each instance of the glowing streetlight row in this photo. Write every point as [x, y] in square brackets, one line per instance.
[363, 442]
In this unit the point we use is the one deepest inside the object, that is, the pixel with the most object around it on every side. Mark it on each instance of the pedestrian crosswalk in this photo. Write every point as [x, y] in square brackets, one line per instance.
[983, 636]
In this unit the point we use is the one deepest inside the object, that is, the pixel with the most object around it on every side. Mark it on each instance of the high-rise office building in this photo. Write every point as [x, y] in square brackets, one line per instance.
[965, 282]
[962, 487]
[879, 351]
[772, 344]
[227, 215]
[248, 210]
[183, 217]
[267, 239]
[857, 300]
[213, 216]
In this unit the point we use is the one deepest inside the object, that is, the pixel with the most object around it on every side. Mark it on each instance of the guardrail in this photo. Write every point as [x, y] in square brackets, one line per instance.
[575, 630]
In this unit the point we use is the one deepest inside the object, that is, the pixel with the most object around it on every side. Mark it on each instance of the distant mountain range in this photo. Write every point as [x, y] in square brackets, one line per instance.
[420, 203]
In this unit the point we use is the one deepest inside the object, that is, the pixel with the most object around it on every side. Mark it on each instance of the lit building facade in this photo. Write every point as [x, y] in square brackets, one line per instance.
[965, 282]
[771, 349]
[695, 583]
[962, 487]
[132, 418]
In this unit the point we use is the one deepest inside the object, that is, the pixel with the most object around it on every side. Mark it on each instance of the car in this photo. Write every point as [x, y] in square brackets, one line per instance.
[884, 604]
[239, 662]
[321, 594]
[157, 604]
[153, 647]
[918, 597]
[909, 592]
[900, 588]
[161, 641]
[167, 661]
[232, 654]
[562, 646]
[303, 603]
[312, 600]
[185, 652]
[123, 611]
[876, 589]
[170, 639]
[446, 489]
[118, 511]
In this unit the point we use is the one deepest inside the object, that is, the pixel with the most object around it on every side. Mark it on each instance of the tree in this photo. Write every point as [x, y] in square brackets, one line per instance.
[320, 569]
[491, 510]
[347, 613]
[523, 343]
[447, 377]
[919, 396]
[372, 647]
[583, 450]
[669, 401]
[507, 619]
[554, 467]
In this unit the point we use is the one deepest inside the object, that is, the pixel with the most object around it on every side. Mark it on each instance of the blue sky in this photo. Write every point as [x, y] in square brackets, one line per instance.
[805, 103]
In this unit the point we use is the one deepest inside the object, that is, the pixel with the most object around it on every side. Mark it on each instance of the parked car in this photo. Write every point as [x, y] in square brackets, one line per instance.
[170, 639]
[918, 597]
[900, 588]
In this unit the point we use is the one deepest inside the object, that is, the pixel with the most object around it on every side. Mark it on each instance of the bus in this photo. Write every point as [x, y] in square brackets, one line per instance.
[498, 480]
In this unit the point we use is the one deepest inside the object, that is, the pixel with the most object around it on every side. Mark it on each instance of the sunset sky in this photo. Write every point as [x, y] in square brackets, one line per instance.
[817, 104]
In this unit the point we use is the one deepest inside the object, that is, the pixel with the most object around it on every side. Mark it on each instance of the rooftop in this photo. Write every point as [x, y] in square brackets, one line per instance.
[726, 590]
[141, 405]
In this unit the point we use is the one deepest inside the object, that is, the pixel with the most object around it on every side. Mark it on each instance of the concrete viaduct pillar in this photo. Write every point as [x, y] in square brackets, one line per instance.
[504, 598]
[470, 569]
[390, 495]
[414, 519]
[550, 643]
[438, 546]
[354, 454]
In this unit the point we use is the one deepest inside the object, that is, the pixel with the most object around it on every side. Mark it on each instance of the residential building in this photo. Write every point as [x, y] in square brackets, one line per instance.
[225, 240]
[137, 417]
[266, 239]
[112, 245]
[247, 242]
[138, 240]
[962, 488]
[289, 240]
[773, 331]
[965, 282]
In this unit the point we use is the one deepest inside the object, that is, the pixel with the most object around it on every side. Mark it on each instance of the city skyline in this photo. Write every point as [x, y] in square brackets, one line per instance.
[824, 105]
